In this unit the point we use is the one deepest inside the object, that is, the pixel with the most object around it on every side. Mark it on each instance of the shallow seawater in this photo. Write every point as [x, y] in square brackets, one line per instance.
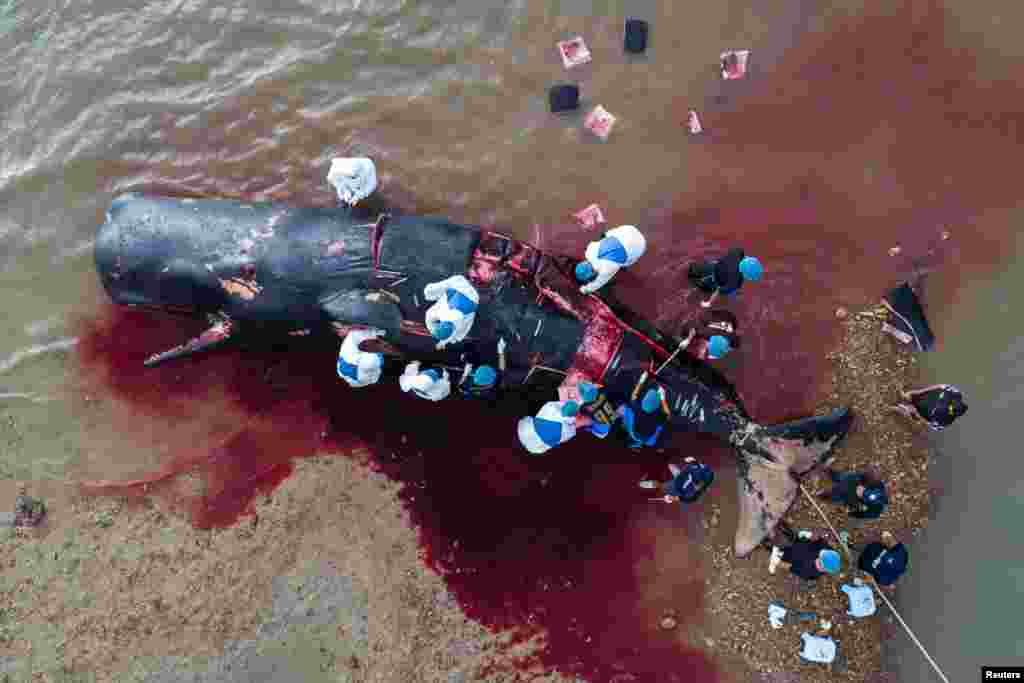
[855, 132]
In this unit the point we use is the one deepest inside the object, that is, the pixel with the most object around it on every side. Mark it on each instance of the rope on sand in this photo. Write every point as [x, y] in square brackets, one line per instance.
[877, 588]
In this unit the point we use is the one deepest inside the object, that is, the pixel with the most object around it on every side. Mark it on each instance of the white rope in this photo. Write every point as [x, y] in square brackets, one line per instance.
[878, 588]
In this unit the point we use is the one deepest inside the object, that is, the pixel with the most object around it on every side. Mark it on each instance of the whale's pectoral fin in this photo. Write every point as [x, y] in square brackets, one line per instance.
[766, 490]
[361, 307]
[215, 336]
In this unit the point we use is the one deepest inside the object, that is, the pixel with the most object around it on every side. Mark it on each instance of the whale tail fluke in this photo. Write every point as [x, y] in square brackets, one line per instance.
[772, 461]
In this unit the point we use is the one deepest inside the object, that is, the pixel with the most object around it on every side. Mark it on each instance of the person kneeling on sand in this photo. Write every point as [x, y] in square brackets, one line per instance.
[937, 406]
[886, 561]
[861, 492]
[807, 558]
[688, 482]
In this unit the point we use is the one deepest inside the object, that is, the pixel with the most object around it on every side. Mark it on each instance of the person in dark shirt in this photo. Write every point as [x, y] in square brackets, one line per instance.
[885, 561]
[810, 558]
[861, 492]
[724, 276]
[688, 482]
[937, 406]
[645, 419]
[482, 381]
[701, 340]
[596, 405]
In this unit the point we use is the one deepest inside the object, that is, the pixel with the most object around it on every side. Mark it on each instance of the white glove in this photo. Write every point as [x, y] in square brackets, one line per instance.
[501, 345]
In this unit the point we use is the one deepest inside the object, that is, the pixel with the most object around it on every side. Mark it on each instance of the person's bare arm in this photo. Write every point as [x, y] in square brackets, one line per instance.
[664, 401]
[639, 385]
[711, 300]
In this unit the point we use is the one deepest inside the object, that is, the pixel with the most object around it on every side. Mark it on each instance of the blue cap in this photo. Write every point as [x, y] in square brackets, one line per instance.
[751, 268]
[484, 376]
[443, 330]
[651, 401]
[875, 494]
[718, 346]
[570, 408]
[588, 392]
[585, 272]
[829, 561]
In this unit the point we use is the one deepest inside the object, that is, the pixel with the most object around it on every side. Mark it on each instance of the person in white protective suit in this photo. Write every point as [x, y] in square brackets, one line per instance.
[354, 179]
[619, 247]
[450, 319]
[357, 367]
[431, 384]
[554, 424]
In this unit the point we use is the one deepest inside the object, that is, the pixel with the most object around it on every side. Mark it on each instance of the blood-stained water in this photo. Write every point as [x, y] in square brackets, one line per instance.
[871, 134]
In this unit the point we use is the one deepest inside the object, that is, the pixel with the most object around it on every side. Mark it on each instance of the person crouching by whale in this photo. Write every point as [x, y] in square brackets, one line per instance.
[481, 380]
[724, 276]
[432, 384]
[713, 336]
[598, 408]
[451, 318]
[357, 367]
[618, 248]
[555, 423]
[644, 419]
[688, 482]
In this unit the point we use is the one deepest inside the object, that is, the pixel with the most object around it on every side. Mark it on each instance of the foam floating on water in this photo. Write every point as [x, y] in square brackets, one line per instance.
[734, 64]
[599, 122]
[693, 122]
[574, 52]
[589, 216]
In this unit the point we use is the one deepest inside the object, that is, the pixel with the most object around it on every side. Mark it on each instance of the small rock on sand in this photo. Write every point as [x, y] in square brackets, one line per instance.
[841, 313]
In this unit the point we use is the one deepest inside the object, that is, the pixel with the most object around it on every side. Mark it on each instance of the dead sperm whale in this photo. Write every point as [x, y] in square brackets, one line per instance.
[272, 269]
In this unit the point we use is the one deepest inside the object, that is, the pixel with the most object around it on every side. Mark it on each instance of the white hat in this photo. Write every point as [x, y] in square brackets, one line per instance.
[353, 178]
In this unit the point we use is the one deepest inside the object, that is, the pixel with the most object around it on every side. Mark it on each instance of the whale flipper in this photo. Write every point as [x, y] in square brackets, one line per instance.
[217, 335]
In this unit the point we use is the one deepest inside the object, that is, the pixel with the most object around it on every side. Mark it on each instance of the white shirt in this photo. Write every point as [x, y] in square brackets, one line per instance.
[442, 312]
[632, 241]
[368, 365]
[353, 178]
[552, 410]
[424, 385]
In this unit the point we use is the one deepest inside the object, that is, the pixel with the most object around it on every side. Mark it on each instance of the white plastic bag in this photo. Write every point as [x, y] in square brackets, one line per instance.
[862, 599]
[353, 178]
[776, 614]
[818, 649]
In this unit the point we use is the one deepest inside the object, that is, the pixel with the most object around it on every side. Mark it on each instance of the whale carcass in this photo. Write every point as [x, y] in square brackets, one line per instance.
[273, 269]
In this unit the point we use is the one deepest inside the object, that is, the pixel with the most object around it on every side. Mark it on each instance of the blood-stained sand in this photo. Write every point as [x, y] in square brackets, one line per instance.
[326, 582]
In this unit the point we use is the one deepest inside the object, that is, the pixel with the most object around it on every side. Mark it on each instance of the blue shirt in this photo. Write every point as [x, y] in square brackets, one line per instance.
[691, 483]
